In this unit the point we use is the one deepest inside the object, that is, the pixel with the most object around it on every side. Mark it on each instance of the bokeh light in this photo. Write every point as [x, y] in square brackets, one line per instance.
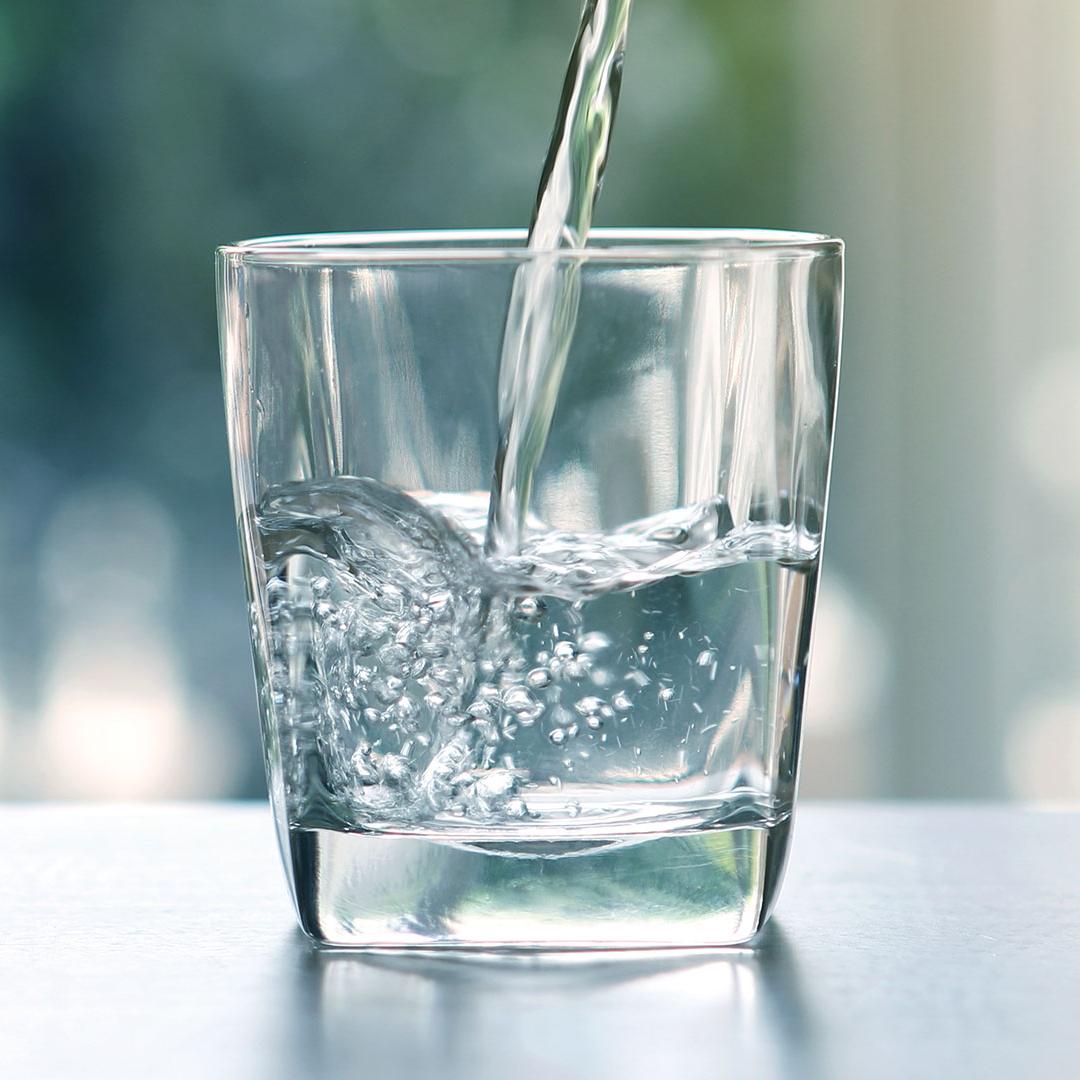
[117, 719]
[845, 696]
[1043, 752]
[948, 642]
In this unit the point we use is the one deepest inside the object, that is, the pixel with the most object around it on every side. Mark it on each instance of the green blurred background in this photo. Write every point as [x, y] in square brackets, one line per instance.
[942, 141]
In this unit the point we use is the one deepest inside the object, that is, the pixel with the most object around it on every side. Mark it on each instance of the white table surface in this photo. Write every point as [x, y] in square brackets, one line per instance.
[911, 940]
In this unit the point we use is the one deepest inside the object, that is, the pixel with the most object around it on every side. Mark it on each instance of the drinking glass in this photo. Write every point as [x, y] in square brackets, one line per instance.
[587, 739]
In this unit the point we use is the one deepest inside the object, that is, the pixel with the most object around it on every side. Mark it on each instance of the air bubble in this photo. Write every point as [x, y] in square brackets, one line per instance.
[538, 678]
[520, 702]
[670, 535]
[576, 670]
[529, 608]
[394, 657]
[391, 599]
[395, 769]
[594, 642]
[406, 709]
[588, 705]
[363, 768]
[487, 731]
[388, 690]
[495, 784]
[557, 736]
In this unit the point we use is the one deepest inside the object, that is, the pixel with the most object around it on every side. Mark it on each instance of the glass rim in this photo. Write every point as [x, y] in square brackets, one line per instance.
[500, 245]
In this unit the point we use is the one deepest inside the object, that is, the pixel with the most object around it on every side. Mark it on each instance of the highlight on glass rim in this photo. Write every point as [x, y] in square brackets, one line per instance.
[594, 660]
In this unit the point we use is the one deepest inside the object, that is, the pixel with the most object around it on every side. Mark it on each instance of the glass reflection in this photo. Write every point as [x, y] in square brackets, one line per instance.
[626, 1015]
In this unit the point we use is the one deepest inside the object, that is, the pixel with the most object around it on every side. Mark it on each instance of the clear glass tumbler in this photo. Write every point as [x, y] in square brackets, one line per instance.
[590, 739]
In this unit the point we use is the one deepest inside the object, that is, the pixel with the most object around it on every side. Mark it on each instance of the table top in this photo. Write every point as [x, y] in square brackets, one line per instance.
[929, 940]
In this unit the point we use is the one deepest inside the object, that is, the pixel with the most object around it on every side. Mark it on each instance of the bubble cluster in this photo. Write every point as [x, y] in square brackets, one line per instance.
[414, 681]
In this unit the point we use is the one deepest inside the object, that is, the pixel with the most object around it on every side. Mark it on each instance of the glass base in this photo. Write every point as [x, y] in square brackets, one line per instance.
[706, 888]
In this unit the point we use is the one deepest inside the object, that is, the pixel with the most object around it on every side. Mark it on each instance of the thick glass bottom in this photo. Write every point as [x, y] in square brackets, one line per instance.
[704, 888]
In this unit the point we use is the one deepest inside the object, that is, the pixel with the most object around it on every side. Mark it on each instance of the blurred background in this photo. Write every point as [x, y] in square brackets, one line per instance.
[942, 141]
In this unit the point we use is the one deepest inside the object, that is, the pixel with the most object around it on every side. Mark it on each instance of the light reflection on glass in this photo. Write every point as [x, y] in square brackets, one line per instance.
[480, 1016]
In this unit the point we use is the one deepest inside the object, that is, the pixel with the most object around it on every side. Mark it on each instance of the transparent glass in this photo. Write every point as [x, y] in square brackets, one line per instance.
[592, 739]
